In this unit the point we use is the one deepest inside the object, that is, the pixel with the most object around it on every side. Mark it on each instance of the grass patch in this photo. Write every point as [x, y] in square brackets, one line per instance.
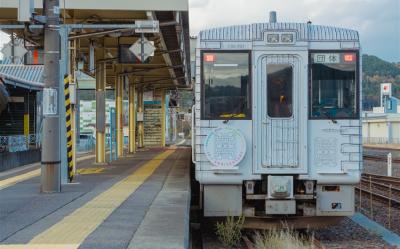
[229, 232]
[281, 239]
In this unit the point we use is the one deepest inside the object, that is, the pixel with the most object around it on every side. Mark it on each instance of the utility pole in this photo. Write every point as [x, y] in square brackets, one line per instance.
[51, 159]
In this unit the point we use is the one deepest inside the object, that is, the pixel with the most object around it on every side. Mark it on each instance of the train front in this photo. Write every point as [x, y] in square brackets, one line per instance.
[277, 130]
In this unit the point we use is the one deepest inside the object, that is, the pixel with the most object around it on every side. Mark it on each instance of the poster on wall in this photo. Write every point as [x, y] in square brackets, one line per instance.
[148, 96]
[17, 143]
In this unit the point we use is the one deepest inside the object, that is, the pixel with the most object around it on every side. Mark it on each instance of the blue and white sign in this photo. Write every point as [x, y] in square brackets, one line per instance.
[225, 147]
[17, 143]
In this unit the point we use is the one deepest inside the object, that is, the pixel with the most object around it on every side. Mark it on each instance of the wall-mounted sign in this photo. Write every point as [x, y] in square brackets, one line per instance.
[148, 96]
[17, 143]
[386, 89]
[50, 104]
[225, 147]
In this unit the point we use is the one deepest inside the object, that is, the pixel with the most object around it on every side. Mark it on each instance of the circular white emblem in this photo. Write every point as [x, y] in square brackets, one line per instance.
[225, 147]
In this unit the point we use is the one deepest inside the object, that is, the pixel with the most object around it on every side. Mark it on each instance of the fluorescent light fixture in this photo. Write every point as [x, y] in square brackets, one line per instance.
[226, 65]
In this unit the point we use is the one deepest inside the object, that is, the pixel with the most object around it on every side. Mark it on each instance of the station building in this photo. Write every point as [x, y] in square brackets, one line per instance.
[101, 39]
[382, 124]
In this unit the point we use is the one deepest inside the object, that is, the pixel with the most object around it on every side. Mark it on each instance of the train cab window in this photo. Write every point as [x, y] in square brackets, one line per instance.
[334, 86]
[280, 90]
[226, 85]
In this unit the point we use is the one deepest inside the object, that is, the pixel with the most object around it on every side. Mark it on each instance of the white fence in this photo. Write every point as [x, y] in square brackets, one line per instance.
[380, 140]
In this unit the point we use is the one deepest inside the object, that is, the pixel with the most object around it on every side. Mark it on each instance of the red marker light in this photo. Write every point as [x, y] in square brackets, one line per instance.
[349, 57]
[209, 58]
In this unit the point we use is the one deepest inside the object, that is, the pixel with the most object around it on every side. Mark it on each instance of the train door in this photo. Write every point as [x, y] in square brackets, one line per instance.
[280, 124]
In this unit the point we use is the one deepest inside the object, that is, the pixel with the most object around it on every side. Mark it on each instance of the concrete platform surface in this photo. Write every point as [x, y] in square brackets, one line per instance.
[140, 201]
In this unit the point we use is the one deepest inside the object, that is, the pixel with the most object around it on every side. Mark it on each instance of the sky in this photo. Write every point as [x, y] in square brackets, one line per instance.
[378, 21]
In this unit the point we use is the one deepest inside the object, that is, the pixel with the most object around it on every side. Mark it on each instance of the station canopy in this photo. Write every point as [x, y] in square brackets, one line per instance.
[167, 68]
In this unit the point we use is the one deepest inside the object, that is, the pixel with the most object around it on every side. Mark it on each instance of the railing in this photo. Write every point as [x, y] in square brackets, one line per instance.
[380, 140]
[85, 145]
[15, 143]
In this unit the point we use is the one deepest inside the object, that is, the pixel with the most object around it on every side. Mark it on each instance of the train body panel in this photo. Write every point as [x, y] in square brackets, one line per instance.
[277, 120]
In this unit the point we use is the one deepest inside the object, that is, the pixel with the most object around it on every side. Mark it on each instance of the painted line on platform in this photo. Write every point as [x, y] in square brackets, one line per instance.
[73, 229]
[31, 174]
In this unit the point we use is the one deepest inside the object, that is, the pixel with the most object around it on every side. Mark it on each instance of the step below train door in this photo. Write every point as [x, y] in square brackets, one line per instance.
[281, 128]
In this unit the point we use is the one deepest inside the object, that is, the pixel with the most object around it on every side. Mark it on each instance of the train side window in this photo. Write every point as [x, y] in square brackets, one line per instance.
[280, 90]
[226, 88]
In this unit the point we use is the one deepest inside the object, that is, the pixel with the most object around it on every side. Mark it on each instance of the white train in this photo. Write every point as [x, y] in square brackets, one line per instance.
[277, 130]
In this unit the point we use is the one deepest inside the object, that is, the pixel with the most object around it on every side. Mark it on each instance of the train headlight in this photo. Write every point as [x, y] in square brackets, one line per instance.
[287, 38]
[280, 186]
[273, 38]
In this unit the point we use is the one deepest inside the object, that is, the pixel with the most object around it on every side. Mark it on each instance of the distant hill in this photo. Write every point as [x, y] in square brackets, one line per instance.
[373, 65]
[375, 72]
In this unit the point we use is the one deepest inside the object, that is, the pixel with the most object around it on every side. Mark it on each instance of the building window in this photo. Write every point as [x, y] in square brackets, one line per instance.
[226, 88]
[280, 90]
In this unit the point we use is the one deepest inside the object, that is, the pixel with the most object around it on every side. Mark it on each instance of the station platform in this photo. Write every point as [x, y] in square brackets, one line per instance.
[139, 201]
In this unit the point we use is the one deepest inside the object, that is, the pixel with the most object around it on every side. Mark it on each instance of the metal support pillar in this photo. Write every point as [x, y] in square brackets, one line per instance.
[51, 158]
[73, 126]
[119, 115]
[132, 119]
[26, 116]
[163, 118]
[140, 118]
[64, 70]
[100, 113]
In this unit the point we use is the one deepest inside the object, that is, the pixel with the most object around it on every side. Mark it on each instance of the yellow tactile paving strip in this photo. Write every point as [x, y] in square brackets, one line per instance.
[72, 230]
[26, 176]
[47, 246]
[90, 171]
[19, 178]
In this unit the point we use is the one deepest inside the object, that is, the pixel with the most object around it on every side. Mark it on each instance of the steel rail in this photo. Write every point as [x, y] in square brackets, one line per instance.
[379, 157]
[380, 184]
[385, 182]
[317, 244]
[393, 201]
[382, 176]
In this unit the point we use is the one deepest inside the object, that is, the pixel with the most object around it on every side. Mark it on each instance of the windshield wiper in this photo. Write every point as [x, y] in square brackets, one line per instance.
[330, 117]
[236, 115]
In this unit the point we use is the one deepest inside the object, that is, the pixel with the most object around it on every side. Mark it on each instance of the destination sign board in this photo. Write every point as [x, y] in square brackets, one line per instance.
[333, 58]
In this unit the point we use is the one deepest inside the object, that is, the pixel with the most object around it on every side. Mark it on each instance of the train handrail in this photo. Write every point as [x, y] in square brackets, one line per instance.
[193, 134]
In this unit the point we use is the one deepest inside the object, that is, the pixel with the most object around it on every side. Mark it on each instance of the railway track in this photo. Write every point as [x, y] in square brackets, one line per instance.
[248, 243]
[394, 181]
[379, 157]
[379, 199]
[382, 187]
[317, 244]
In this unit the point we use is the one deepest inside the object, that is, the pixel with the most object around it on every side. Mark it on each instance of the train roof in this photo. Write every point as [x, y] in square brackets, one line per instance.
[305, 32]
